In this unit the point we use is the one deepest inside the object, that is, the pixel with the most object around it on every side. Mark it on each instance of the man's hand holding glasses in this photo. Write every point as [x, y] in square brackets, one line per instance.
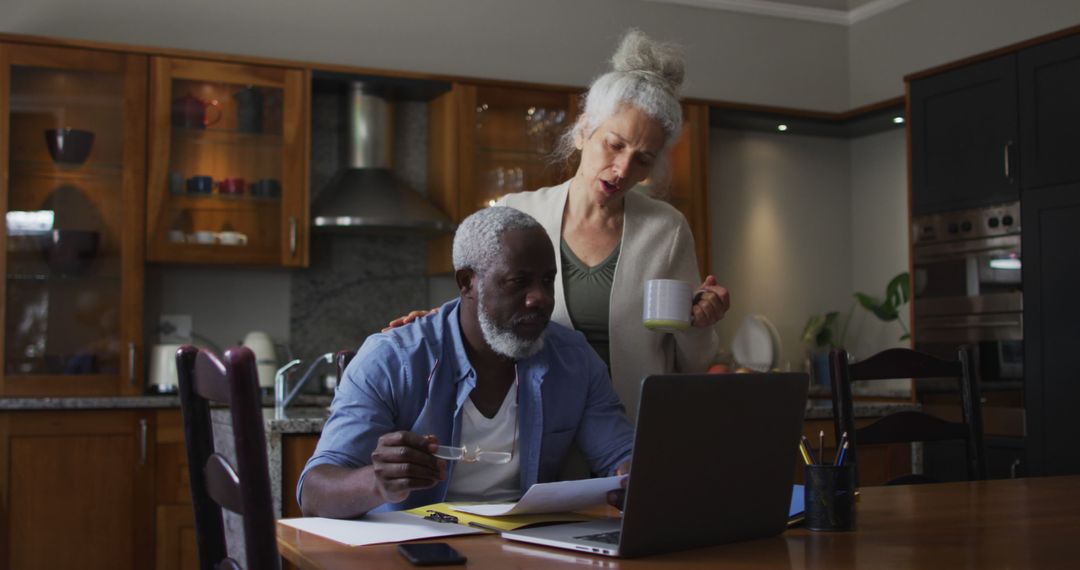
[404, 462]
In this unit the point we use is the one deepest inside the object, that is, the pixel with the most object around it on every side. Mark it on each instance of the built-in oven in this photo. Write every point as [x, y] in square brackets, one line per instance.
[967, 287]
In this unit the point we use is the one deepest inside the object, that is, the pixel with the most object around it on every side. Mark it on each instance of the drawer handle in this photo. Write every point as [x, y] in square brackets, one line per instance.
[131, 364]
[143, 430]
[292, 236]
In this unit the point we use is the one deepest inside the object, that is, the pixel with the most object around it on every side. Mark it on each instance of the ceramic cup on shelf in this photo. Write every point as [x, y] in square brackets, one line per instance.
[266, 188]
[667, 305]
[200, 185]
[249, 109]
[232, 238]
[203, 237]
[231, 187]
[177, 183]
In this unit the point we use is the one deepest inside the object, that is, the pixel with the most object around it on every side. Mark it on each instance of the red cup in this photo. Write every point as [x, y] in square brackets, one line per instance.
[231, 186]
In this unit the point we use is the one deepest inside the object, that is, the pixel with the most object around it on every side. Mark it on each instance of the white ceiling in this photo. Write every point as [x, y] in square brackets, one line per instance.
[842, 12]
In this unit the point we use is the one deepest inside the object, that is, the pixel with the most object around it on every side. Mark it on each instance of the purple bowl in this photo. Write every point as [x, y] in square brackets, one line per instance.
[69, 146]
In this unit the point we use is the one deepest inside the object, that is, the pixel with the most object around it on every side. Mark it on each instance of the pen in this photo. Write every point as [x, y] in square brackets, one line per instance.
[840, 444]
[821, 444]
[843, 453]
[805, 454]
[809, 450]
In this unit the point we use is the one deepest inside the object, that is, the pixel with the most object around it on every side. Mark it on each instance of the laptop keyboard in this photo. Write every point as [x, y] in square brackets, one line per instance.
[611, 537]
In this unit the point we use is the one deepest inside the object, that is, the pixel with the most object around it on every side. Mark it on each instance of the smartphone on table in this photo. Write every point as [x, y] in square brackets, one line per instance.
[430, 553]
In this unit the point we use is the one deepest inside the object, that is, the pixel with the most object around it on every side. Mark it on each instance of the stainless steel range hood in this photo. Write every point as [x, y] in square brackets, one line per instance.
[367, 195]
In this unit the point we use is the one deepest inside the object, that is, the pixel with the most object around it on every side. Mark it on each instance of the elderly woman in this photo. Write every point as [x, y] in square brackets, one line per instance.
[611, 240]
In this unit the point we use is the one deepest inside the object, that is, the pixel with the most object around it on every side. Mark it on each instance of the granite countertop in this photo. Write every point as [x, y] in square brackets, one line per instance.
[310, 420]
[134, 402]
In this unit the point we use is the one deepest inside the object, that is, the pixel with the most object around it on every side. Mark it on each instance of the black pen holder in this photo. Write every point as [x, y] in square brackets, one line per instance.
[830, 497]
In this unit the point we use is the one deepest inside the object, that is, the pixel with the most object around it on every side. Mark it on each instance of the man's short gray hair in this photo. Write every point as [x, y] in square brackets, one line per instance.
[479, 237]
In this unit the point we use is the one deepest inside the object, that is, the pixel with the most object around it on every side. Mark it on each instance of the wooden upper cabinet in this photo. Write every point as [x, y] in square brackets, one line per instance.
[965, 137]
[1050, 113]
[228, 171]
[72, 167]
[689, 186]
[488, 141]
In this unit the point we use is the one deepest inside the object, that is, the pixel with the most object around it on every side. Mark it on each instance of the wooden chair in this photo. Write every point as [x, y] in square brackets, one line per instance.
[910, 426]
[232, 381]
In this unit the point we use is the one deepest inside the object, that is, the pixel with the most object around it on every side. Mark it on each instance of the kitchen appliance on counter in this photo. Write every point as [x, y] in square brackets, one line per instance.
[968, 289]
[262, 345]
[162, 378]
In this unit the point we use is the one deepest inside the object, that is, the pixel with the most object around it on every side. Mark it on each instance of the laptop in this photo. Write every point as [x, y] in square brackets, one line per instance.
[714, 460]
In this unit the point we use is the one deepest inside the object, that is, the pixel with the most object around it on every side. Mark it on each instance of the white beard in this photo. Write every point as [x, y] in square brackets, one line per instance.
[503, 340]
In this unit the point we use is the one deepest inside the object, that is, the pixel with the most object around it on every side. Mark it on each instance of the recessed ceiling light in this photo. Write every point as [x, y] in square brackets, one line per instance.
[898, 120]
[781, 128]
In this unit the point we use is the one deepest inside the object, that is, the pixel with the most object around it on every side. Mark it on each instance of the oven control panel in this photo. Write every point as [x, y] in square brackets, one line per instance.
[989, 221]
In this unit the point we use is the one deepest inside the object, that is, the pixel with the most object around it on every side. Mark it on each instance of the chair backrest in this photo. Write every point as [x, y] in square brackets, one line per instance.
[342, 359]
[909, 426]
[245, 490]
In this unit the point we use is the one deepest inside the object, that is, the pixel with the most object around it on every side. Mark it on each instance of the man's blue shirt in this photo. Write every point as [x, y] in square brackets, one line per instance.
[418, 377]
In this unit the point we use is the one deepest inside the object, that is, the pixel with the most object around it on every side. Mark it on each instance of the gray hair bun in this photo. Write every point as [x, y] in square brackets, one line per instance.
[655, 61]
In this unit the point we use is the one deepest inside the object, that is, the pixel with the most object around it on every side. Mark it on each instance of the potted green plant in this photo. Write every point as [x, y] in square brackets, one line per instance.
[825, 332]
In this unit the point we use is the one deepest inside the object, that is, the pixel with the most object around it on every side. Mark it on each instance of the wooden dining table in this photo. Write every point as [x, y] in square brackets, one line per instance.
[1016, 523]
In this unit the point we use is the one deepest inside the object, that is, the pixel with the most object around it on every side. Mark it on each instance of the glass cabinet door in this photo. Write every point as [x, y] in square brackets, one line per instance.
[226, 182]
[73, 138]
[516, 131]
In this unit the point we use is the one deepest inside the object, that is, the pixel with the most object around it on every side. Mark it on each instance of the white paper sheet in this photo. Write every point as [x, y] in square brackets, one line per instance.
[378, 528]
[551, 498]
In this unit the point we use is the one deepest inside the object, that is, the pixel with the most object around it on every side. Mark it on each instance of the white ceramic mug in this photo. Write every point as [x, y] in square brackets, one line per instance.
[667, 305]
[232, 238]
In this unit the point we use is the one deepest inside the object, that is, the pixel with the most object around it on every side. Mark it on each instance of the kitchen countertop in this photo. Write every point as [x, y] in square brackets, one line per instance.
[130, 402]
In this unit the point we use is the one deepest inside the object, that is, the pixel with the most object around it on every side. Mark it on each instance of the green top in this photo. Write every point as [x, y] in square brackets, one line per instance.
[588, 294]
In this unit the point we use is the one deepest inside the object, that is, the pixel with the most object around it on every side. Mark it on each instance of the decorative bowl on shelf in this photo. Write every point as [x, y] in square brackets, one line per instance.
[69, 146]
[70, 252]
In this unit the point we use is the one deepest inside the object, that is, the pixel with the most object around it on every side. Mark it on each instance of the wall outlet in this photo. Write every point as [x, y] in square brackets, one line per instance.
[174, 329]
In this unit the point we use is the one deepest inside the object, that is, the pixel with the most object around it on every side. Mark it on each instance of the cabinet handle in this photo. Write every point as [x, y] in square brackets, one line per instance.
[131, 364]
[292, 236]
[143, 430]
[1008, 145]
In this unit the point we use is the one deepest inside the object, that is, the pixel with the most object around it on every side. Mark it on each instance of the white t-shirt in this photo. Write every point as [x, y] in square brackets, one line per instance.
[481, 481]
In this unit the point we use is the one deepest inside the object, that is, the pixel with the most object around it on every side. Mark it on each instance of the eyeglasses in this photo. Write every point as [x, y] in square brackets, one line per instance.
[475, 454]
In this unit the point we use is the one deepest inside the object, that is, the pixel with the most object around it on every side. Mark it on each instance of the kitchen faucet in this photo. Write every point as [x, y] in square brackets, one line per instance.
[282, 401]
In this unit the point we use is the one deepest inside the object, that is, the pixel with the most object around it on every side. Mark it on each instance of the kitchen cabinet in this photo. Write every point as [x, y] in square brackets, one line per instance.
[1051, 218]
[76, 490]
[487, 141]
[72, 165]
[1049, 77]
[964, 137]
[176, 547]
[689, 189]
[228, 176]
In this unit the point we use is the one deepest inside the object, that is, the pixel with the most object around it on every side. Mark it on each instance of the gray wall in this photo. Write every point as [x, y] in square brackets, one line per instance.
[879, 233]
[781, 226]
[921, 34]
[800, 223]
[730, 56]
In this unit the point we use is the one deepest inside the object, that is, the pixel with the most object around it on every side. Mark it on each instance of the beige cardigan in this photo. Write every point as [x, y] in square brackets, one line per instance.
[656, 244]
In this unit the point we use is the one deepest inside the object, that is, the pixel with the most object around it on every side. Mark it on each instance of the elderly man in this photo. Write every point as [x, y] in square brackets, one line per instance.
[475, 402]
